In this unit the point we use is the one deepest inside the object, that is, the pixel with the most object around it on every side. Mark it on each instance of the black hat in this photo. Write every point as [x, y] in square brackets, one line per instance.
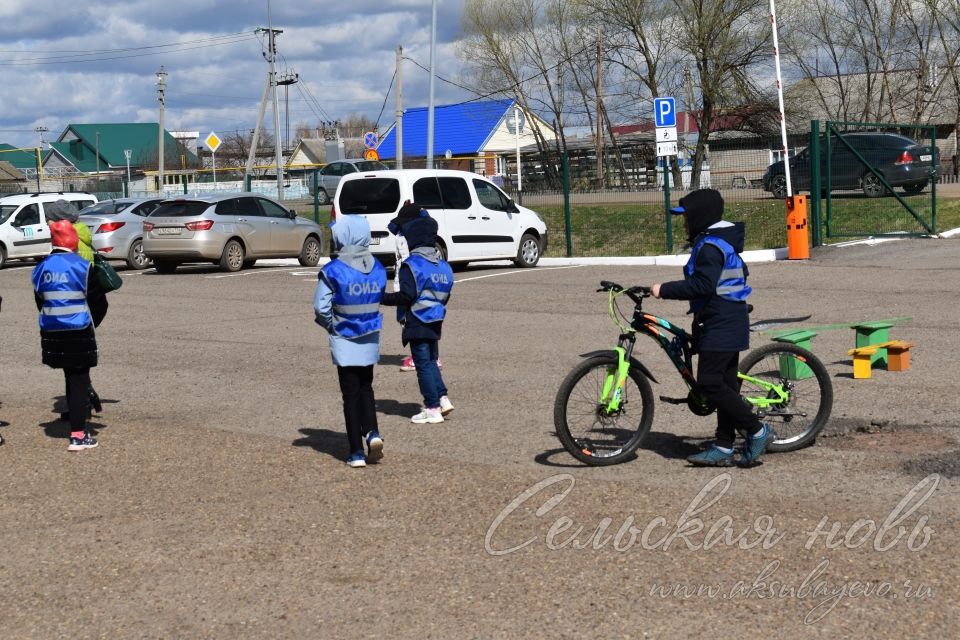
[702, 208]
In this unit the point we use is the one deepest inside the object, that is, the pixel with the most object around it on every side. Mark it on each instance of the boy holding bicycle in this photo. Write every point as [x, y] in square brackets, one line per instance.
[715, 283]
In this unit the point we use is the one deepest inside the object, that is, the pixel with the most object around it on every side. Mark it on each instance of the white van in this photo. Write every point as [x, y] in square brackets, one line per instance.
[476, 220]
[24, 232]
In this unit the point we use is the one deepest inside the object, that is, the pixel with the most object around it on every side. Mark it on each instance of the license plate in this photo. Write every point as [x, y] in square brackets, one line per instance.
[374, 240]
[168, 231]
[926, 158]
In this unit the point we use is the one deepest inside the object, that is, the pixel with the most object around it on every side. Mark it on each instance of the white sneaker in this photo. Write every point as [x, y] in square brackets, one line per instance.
[428, 416]
[445, 405]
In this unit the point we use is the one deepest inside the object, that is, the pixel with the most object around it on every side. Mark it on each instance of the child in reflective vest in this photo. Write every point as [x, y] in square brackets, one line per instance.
[347, 304]
[426, 281]
[715, 283]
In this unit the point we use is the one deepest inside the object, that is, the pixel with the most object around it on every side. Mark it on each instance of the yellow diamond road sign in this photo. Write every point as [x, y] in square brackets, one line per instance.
[212, 142]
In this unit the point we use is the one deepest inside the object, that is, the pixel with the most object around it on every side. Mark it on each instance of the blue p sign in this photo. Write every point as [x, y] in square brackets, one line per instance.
[664, 112]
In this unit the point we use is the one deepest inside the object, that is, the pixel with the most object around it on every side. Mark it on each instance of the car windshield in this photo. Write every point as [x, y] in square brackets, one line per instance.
[6, 211]
[107, 208]
[184, 208]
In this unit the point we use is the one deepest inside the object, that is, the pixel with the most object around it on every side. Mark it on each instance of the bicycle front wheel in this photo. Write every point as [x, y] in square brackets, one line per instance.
[588, 430]
[790, 390]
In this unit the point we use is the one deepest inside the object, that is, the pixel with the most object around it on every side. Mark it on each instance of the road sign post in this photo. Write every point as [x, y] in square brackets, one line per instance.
[213, 143]
[665, 119]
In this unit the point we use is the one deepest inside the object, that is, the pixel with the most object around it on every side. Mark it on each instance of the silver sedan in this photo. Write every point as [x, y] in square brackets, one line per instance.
[232, 230]
[117, 227]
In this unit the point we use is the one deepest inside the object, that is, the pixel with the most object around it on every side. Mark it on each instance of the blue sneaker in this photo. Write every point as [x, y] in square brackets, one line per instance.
[712, 457]
[357, 459]
[754, 446]
[374, 447]
[79, 444]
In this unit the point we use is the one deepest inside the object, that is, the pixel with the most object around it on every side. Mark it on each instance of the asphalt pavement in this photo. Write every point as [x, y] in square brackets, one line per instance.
[218, 504]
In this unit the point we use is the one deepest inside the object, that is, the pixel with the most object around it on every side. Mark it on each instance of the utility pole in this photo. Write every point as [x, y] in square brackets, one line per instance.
[98, 159]
[272, 58]
[433, 69]
[287, 80]
[399, 112]
[40, 130]
[161, 90]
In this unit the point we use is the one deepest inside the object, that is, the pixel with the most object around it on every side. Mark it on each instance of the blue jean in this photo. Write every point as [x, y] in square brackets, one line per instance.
[425, 354]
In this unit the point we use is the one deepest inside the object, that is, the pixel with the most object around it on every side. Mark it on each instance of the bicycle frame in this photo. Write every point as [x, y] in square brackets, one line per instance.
[677, 344]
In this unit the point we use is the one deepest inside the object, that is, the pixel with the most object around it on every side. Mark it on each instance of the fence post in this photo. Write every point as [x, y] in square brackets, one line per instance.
[816, 188]
[249, 182]
[933, 180]
[565, 167]
[316, 197]
[126, 189]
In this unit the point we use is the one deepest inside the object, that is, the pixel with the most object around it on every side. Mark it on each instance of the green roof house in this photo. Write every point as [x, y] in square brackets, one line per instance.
[89, 148]
[20, 158]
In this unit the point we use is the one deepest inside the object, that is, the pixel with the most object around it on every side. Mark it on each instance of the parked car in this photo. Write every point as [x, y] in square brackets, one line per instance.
[477, 221]
[329, 177]
[899, 159]
[24, 232]
[232, 230]
[117, 227]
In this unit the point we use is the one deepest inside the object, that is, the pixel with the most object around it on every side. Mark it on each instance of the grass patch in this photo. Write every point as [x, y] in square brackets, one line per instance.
[619, 229]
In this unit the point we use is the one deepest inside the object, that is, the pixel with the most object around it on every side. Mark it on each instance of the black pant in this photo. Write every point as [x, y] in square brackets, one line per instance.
[78, 396]
[359, 405]
[717, 379]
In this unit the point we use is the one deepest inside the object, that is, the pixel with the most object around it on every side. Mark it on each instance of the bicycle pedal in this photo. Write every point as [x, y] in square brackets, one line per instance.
[673, 400]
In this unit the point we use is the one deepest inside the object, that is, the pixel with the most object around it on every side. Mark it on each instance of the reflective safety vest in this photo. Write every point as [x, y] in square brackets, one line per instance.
[61, 281]
[732, 284]
[356, 298]
[434, 284]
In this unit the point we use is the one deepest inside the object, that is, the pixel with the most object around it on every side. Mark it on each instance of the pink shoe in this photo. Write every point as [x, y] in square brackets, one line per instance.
[407, 364]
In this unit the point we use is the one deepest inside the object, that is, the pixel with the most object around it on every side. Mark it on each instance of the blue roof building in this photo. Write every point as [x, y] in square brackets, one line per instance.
[466, 130]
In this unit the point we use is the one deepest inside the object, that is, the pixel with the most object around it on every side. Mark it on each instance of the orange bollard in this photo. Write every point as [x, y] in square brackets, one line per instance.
[798, 243]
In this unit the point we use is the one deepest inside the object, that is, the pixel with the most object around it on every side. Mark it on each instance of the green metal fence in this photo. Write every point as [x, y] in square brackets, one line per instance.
[878, 186]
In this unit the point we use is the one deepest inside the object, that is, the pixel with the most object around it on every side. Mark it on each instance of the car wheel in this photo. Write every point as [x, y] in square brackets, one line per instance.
[135, 256]
[778, 186]
[872, 186]
[914, 189]
[528, 253]
[232, 257]
[165, 266]
[322, 197]
[310, 253]
[442, 250]
[3, 257]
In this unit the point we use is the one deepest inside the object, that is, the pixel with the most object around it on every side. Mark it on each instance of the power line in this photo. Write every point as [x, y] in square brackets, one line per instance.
[384, 105]
[168, 49]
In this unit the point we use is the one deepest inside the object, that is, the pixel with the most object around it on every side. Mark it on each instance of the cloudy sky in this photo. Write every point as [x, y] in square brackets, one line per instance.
[90, 61]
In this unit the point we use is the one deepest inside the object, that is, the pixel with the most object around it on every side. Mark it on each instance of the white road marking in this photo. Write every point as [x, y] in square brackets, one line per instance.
[251, 273]
[507, 273]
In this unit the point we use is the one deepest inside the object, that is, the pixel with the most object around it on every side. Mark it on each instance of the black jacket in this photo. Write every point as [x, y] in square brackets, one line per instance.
[721, 325]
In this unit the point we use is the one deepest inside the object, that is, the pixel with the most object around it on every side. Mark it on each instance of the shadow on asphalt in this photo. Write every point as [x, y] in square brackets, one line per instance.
[395, 361]
[394, 408]
[332, 443]
[60, 429]
[666, 445]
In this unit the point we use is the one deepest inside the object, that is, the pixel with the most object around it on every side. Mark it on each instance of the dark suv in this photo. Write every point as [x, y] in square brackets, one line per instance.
[899, 159]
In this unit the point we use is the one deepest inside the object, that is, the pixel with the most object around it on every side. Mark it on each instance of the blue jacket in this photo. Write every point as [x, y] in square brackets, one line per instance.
[351, 344]
[411, 290]
[719, 324]
[61, 284]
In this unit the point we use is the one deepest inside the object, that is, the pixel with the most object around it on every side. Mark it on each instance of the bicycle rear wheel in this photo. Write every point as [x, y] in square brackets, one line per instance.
[799, 417]
[587, 431]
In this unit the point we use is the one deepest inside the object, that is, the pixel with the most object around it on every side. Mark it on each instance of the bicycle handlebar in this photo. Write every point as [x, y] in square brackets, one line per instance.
[636, 293]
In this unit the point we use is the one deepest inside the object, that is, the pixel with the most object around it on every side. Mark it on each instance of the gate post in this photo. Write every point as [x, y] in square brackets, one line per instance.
[816, 188]
[565, 168]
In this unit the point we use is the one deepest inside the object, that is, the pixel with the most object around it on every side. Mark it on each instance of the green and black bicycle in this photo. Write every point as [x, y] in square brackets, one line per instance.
[604, 407]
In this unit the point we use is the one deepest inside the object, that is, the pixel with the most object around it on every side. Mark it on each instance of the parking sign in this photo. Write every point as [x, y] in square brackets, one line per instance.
[664, 112]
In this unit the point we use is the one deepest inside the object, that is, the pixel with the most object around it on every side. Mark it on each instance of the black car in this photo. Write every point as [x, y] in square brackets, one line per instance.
[899, 159]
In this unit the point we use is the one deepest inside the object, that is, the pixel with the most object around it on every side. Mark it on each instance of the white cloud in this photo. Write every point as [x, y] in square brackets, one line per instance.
[95, 61]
